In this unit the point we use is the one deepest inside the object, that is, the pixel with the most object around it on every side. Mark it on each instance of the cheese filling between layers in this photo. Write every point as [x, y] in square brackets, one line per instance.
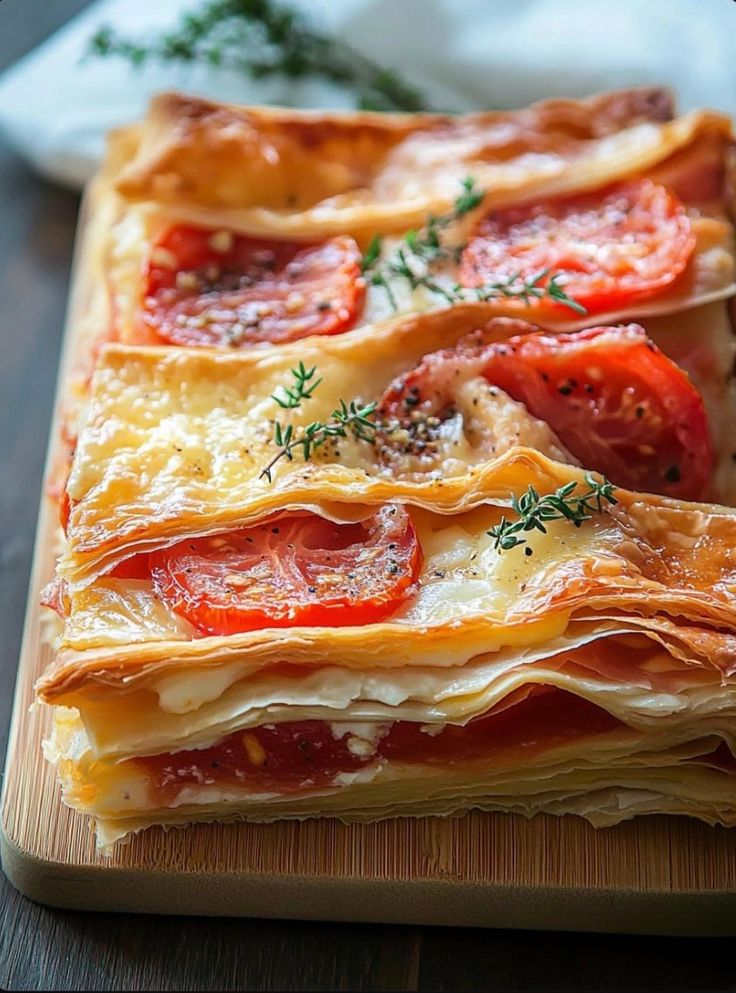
[297, 768]
[648, 681]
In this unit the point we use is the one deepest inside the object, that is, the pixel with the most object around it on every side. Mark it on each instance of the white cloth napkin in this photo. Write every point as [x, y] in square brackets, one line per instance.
[462, 54]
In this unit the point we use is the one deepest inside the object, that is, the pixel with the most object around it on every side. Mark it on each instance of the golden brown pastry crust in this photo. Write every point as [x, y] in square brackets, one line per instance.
[173, 441]
[193, 161]
[646, 556]
[329, 168]
[220, 155]
[176, 439]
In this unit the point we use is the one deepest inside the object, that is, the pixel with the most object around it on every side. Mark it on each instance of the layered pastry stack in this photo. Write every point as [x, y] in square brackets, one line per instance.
[398, 456]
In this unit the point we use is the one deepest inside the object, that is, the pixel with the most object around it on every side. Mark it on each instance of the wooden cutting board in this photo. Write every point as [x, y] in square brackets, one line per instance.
[650, 875]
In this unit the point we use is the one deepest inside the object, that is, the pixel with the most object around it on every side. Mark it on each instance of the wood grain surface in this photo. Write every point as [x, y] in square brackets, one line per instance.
[41, 949]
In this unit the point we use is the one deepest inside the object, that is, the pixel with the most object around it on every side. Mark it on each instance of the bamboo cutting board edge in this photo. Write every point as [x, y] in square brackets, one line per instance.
[342, 900]
[649, 876]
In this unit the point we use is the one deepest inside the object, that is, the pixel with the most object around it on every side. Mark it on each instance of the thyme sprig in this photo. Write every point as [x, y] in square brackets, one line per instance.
[290, 397]
[262, 38]
[534, 510]
[420, 250]
[345, 419]
[426, 243]
[531, 288]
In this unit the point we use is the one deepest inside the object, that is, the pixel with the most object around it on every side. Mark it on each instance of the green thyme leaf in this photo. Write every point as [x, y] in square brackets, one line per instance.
[469, 199]
[533, 510]
[304, 386]
[346, 420]
[372, 254]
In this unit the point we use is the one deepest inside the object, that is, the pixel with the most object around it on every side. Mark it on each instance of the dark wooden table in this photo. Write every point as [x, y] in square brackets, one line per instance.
[43, 949]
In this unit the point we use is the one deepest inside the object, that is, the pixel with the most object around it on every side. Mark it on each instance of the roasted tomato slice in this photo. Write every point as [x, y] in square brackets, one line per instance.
[610, 398]
[441, 416]
[292, 571]
[136, 567]
[299, 755]
[217, 288]
[610, 246]
[65, 509]
[616, 402]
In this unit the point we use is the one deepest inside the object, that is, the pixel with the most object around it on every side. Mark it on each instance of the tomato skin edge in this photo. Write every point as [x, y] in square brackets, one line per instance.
[215, 619]
[621, 352]
[601, 290]
[185, 318]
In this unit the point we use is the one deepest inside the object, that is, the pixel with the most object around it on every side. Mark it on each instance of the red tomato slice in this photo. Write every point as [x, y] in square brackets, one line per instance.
[65, 508]
[216, 288]
[136, 567]
[278, 756]
[291, 571]
[616, 402]
[306, 754]
[612, 246]
[612, 398]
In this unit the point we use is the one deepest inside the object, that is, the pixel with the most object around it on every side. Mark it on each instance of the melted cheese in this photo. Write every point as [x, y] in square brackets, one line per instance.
[176, 440]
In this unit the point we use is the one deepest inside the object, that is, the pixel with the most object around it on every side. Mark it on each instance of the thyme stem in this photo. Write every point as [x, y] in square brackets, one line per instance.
[345, 420]
[419, 251]
[263, 38]
[535, 510]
